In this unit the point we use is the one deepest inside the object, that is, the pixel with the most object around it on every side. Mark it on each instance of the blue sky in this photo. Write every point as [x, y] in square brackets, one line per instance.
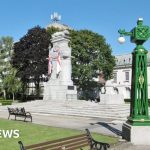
[102, 16]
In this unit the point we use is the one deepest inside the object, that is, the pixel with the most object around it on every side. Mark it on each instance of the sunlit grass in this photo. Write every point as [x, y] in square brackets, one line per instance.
[32, 133]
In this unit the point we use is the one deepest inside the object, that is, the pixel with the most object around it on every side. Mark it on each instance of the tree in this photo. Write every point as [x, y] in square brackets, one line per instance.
[30, 55]
[12, 83]
[51, 30]
[6, 45]
[91, 56]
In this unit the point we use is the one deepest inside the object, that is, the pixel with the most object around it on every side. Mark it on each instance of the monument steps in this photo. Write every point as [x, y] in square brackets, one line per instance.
[86, 111]
[75, 108]
[86, 115]
[77, 111]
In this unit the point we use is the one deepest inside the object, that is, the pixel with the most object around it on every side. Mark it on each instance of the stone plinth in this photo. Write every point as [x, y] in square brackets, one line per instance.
[111, 99]
[137, 135]
[60, 92]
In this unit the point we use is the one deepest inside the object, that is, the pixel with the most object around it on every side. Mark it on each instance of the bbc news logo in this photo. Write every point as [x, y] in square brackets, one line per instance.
[9, 134]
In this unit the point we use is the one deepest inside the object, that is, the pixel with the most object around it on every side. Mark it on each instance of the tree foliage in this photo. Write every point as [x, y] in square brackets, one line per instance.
[12, 83]
[51, 30]
[30, 55]
[6, 45]
[91, 56]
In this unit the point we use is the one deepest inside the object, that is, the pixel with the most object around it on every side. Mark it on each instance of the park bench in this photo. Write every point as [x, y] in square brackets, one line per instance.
[19, 112]
[69, 143]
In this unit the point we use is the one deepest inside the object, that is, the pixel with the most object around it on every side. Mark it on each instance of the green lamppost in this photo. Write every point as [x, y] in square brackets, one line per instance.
[139, 115]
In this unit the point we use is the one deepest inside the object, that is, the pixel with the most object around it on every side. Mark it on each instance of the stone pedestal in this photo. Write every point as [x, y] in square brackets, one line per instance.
[137, 135]
[60, 92]
[111, 99]
[111, 94]
[60, 85]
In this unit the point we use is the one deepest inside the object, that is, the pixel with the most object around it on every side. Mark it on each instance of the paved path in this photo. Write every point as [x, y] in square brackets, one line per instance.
[100, 125]
[108, 126]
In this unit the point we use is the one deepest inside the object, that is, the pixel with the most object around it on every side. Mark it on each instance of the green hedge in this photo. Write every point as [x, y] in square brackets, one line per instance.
[6, 102]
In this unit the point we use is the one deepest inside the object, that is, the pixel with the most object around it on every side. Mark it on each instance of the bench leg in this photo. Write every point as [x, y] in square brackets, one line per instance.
[8, 116]
[15, 117]
[21, 145]
[30, 119]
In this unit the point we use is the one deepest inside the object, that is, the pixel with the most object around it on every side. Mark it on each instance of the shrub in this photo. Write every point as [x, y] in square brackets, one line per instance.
[6, 102]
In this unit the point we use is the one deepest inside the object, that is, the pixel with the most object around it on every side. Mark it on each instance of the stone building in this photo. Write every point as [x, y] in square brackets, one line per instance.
[121, 82]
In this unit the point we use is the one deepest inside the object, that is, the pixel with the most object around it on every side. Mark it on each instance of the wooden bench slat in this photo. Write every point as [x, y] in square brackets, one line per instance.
[68, 148]
[65, 144]
[77, 147]
[68, 143]
[55, 141]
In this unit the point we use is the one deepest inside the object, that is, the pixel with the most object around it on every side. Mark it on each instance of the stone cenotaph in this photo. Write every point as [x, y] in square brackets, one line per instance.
[60, 86]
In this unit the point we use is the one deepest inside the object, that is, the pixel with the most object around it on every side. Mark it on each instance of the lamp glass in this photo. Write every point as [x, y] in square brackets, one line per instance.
[121, 39]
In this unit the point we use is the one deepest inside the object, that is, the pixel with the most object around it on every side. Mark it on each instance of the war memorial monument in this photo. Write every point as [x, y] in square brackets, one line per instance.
[60, 86]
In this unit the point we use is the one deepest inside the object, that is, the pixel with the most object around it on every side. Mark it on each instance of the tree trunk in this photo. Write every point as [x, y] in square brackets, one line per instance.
[4, 93]
[24, 92]
[37, 85]
[13, 96]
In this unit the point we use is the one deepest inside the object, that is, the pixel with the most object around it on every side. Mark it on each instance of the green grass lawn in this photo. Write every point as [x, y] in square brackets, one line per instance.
[32, 133]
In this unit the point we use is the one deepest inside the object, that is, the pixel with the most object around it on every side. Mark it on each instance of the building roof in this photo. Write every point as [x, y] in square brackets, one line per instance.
[126, 59]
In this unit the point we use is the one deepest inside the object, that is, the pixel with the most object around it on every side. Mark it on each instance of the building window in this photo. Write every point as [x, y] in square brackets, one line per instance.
[127, 76]
[129, 60]
[115, 77]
